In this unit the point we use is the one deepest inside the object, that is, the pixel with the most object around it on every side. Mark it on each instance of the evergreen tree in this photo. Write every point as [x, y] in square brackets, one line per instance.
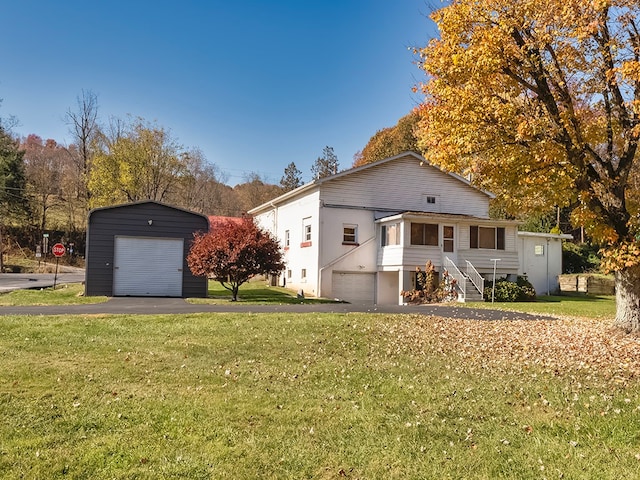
[292, 178]
[13, 201]
[326, 165]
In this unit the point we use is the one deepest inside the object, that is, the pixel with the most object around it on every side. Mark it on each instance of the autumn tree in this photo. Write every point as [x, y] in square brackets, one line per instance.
[144, 163]
[233, 252]
[254, 191]
[291, 179]
[326, 165]
[540, 103]
[45, 164]
[200, 185]
[390, 141]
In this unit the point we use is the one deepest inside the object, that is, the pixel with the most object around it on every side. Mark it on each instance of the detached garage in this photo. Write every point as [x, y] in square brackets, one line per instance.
[140, 249]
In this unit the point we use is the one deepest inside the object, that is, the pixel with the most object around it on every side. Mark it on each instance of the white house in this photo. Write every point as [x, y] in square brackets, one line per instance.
[360, 234]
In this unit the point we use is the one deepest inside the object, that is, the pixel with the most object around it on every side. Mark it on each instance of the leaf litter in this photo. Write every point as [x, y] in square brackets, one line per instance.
[559, 347]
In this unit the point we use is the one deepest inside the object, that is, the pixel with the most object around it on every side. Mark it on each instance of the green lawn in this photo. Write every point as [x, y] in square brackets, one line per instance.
[573, 305]
[256, 292]
[65, 294]
[316, 396]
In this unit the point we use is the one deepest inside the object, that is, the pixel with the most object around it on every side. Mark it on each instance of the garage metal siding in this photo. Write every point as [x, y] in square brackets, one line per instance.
[148, 267]
[354, 287]
[133, 220]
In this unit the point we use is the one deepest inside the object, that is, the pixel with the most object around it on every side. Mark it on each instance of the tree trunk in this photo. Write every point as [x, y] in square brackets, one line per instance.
[628, 299]
[234, 293]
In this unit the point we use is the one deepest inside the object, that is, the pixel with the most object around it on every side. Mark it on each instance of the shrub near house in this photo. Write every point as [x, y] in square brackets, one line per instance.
[507, 291]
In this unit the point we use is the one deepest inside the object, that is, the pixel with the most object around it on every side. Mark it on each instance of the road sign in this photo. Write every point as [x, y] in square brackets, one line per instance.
[58, 250]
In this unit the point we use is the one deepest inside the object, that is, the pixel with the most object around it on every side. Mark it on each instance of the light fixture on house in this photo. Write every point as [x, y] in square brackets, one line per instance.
[150, 222]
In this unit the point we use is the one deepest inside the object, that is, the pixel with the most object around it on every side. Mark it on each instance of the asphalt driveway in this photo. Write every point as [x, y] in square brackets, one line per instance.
[155, 305]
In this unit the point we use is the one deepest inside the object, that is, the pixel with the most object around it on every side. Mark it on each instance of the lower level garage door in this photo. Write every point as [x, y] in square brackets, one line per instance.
[148, 267]
[354, 287]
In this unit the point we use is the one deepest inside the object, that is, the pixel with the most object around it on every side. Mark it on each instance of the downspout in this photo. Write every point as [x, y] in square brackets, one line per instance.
[275, 226]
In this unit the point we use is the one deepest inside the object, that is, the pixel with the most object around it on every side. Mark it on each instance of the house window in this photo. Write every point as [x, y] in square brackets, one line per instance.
[539, 250]
[303, 275]
[424, 234]
[306, 232]
[350, 234]
[431, 200]
[287, 239]
[447, 239]
[492, 238]
[390, 234]
[289, 273]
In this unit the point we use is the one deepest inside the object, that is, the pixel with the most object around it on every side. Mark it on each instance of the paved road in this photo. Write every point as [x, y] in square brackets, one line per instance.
[22, 281]
[153, 305]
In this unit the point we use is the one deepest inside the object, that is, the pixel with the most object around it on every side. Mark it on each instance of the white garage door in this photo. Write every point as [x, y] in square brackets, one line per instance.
[354, 287]
[148, 267]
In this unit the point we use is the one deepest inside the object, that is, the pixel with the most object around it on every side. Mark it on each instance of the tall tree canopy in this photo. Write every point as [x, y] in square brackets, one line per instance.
[47, 164]
[540, 102]
[141, 163]
[14, 204]
[291, 179]
[84, 128]
[233, 252]
[326, 165]
[390, 141]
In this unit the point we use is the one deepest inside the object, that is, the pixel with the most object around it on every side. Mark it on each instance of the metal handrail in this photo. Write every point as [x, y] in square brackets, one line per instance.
[457, 274]
[475, 277]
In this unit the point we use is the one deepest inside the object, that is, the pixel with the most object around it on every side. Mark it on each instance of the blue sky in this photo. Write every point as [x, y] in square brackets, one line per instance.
[254, 84]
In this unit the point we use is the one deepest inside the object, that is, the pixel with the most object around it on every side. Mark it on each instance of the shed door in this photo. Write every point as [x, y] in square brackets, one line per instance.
[148, 267]
[354, 287]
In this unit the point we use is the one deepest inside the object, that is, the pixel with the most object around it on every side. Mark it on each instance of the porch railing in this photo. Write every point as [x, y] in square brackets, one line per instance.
[475, 277]
[457, 275]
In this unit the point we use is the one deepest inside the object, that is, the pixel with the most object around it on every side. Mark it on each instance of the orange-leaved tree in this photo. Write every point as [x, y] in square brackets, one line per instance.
[540, 103]
[233, 252]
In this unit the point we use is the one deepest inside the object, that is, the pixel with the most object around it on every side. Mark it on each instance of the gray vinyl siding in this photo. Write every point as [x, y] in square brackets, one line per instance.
[133, 220]
[404, 185]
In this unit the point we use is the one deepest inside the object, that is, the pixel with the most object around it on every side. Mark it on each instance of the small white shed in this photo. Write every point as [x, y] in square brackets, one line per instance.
[541, 260]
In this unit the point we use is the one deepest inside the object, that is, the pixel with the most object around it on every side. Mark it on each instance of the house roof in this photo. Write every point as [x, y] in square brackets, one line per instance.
[144, 202]
[351, 171]
[560, 236]
[452, 217]
[217, 219]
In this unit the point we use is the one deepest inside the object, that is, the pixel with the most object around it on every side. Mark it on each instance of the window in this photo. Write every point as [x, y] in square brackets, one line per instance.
[539, 250]
[287, 239]
[390, 234]
[491, 238]
[306, 232]
[350, 234]
[430, 199]
[424, 234]
[289, 274]
[303, 275]
[447, 238]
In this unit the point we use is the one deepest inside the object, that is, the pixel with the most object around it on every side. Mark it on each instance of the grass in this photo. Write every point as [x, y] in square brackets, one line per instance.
[572, 305]
[65, 294]
[300, 396]
[255, 292]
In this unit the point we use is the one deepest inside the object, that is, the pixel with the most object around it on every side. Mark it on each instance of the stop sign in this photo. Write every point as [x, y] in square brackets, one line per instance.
[58, 250]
